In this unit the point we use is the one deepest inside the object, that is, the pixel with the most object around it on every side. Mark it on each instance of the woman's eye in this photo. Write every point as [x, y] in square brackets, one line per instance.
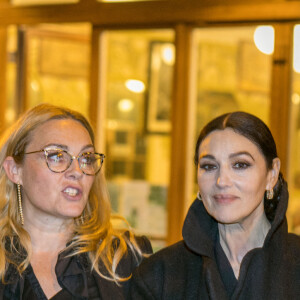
[241, 165]
[208, 167]
[55, 157]
[88, 159]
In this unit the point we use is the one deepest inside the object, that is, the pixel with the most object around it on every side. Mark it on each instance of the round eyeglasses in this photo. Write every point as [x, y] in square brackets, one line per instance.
[59, 160]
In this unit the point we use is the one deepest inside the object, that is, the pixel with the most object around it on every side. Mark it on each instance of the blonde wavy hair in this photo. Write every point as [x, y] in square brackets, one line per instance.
[93, 235]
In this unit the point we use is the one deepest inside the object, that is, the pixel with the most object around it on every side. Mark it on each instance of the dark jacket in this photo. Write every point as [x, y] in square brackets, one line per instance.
[74, 275]
[188, 270]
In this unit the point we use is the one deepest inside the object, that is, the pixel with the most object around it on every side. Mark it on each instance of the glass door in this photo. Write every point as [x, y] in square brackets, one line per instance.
[233, 72]
[138, 75]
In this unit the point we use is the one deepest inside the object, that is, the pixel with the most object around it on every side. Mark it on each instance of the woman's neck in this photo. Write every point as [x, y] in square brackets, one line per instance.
[238, 239]
[48, 236]
[48, 239]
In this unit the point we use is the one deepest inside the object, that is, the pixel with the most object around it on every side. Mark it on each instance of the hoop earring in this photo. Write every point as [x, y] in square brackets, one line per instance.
[20, 203]
[270, 194]
[199, 196]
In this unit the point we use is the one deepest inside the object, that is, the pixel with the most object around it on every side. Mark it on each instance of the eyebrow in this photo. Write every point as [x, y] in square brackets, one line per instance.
[209, 156]
[241, 153]
[65, 147]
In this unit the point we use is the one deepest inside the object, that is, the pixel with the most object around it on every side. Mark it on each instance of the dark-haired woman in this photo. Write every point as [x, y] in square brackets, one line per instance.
[235, 240]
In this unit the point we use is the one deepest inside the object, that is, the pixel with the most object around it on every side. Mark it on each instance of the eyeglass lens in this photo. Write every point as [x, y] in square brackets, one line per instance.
[60, 160]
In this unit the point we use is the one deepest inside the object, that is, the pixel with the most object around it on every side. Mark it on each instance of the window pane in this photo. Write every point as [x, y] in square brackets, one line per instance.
[138, 95]
[58, 66]
[232, 73]
[294, 138]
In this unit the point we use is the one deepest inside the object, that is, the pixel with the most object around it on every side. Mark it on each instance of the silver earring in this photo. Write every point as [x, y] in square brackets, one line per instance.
[20, 203]
[270, 194]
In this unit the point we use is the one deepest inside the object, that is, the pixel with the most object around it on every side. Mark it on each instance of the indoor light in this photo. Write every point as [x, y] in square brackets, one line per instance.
[125, 105]
[168, 54]
[264, 39]
[296, 63]
[296, 99]
[135, 86]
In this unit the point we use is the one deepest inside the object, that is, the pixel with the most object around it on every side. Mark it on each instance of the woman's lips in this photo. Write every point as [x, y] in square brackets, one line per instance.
[224, 199]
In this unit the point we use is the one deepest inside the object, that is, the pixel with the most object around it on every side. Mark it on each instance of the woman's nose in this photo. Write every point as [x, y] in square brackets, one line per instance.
[223, 178]
[74, 169]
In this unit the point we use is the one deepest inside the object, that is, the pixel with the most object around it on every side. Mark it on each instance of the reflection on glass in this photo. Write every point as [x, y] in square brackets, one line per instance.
[138, 153]
[232, 74]
[161, 71]
[168, 54]
[294, 141]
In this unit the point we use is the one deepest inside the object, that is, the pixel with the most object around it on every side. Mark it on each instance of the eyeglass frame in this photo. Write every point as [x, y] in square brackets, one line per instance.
[102, 156]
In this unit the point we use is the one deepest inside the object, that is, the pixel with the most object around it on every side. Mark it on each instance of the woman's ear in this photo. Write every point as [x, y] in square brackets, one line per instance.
[12, 170]
[273, 174]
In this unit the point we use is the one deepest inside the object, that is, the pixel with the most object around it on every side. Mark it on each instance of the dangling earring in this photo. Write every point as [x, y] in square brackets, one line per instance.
[270, 194]
[20, 203]
[82, 219]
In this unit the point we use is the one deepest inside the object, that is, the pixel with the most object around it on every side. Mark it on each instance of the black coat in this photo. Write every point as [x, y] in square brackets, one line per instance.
[74, 275]
[188, 270]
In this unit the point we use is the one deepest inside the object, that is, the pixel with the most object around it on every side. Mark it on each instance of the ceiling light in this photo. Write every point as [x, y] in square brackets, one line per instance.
[264, 39]
[135, 86]
[125, 105]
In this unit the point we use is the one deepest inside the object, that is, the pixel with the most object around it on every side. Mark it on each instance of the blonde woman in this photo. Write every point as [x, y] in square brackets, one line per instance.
[57, 241]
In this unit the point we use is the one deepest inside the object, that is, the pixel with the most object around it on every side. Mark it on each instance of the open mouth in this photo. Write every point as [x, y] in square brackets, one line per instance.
[71, 191]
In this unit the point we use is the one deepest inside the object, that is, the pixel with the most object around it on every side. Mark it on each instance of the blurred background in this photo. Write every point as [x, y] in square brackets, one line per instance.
[149, 75]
